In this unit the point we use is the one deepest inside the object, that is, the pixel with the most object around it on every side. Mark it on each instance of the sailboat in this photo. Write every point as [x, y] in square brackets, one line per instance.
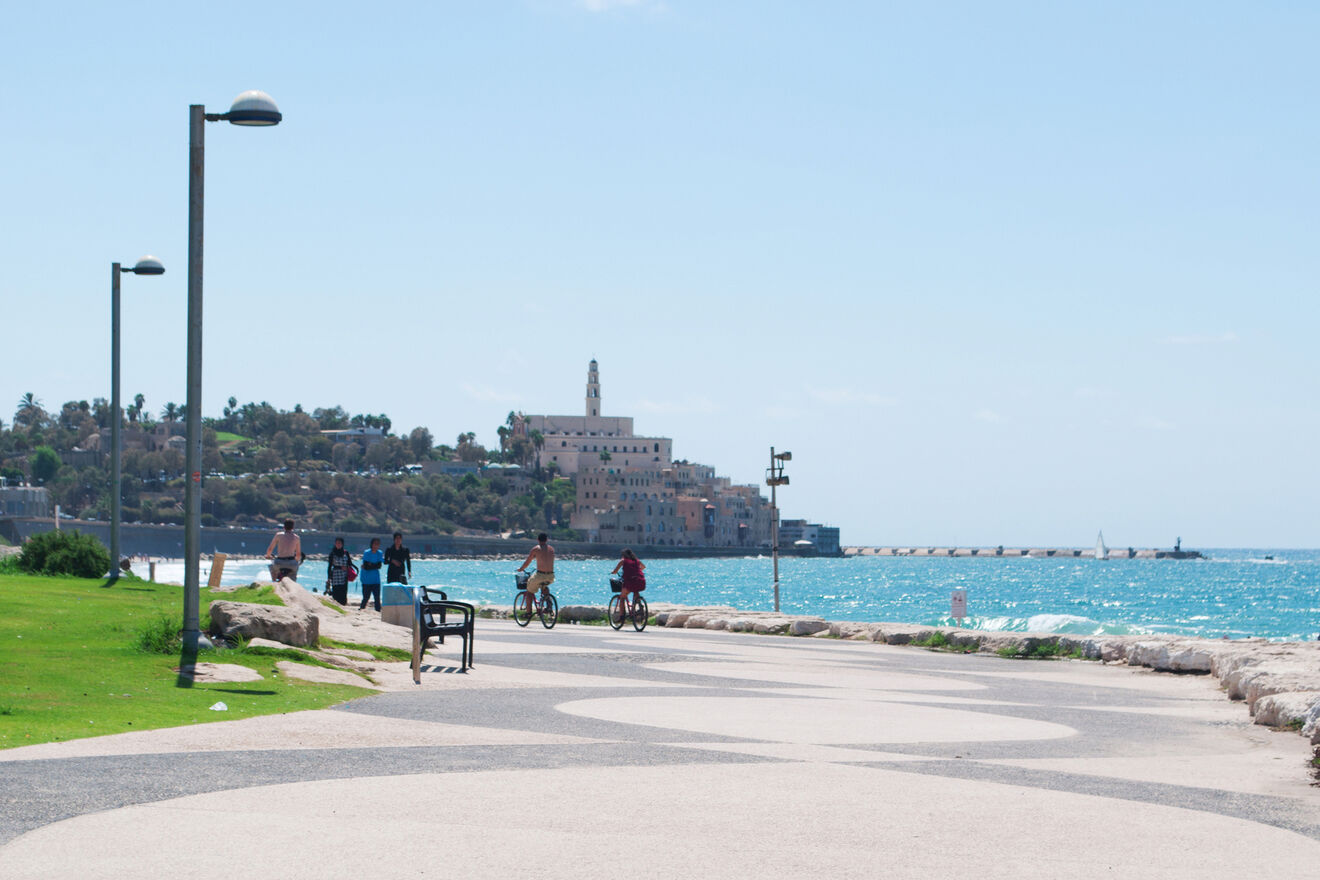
[1101, 551]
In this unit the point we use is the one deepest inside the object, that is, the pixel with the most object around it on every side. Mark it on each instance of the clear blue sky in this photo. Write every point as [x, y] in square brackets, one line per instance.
[994, 273]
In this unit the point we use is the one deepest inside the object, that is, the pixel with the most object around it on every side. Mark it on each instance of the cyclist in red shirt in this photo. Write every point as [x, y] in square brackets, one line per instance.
[633, 579]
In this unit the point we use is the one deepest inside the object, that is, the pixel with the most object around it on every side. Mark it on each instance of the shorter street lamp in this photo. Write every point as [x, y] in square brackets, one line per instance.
[148, 265]
[774, 477]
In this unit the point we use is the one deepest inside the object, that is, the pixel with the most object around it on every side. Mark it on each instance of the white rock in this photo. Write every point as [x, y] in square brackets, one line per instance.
[291, 626]
[807, 626]
[1282, 710]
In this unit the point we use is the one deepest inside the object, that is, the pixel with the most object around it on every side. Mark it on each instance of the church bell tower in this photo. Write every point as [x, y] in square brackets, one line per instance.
[593, 390]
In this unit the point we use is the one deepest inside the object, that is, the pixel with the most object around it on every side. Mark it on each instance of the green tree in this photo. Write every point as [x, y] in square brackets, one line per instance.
[420, 442]
[45, 463]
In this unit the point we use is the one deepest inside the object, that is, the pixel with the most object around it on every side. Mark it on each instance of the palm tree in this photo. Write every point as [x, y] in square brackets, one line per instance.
[170, 413]
[29, 410]
[538, 443]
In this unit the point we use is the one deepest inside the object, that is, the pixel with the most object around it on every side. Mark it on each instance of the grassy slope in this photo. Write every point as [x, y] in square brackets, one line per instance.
[70, 668]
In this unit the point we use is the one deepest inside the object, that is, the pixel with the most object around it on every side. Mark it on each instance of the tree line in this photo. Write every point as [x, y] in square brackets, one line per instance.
[262, 464]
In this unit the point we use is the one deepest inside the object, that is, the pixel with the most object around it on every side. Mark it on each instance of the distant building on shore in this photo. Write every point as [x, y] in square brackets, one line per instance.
[819, 539]
[631, 491]
[24, 501]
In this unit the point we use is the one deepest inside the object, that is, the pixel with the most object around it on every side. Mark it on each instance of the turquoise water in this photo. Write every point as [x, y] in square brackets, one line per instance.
[1234, 593]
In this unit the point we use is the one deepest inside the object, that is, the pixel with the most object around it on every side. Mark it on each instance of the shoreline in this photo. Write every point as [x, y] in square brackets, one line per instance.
[1278, 681]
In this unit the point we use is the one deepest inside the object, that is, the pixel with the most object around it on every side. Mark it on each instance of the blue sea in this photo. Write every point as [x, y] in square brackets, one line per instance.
[1233, 593]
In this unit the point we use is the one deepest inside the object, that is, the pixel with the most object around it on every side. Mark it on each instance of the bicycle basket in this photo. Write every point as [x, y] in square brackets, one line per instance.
[616, 585]
[521, 578]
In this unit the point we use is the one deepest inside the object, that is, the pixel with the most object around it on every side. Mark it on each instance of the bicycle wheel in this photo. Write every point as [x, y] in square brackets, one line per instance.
[640, 614]
[549, 611]
[614, 613]
[522, 607]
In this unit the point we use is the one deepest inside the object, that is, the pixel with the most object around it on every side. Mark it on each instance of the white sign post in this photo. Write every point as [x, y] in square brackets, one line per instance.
[958, 606]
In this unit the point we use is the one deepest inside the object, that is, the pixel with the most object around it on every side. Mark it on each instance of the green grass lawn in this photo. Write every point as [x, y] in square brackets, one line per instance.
[223, 437]
[70, 665]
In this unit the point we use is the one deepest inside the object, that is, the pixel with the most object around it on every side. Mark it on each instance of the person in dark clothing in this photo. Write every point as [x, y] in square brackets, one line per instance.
[336, 573]
[397, 559]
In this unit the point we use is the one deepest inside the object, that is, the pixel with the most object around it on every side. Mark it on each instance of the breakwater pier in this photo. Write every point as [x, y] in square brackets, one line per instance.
[1033, 552]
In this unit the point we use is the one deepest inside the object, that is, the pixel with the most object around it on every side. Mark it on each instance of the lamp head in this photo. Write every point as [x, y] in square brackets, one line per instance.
[254, 107]
[148, 265]
[785, 456]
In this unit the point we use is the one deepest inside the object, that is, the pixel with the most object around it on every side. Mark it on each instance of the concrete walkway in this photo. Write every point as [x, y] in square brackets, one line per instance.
[580, 752]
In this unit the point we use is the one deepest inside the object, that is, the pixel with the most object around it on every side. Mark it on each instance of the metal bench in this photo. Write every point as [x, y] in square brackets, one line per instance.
[432, 612]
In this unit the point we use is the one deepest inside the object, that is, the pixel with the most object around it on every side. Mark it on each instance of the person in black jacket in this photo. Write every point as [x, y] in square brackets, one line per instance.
[336, 573]
[397, 559]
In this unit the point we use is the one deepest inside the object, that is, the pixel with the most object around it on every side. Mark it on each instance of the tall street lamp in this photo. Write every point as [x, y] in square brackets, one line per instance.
[148, 265]
[249, 108]
[774, 477]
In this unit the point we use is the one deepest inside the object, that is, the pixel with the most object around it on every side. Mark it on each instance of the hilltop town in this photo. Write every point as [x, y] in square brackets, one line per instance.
[586, 478]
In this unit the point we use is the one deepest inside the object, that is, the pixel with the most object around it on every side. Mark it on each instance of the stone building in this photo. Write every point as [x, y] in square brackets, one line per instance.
[568, 442]
[631, 491]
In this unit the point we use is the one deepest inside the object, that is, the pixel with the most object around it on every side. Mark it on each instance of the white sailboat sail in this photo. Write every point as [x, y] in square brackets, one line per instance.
[1101, 552]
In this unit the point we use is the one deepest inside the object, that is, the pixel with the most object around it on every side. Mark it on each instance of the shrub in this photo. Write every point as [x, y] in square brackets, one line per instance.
[64, 553]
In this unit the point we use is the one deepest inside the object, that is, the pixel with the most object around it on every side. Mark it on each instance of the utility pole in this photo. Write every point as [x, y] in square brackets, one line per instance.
[774, 478]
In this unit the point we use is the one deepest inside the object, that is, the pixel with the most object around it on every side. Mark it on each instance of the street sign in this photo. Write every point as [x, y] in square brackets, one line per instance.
[958, 606]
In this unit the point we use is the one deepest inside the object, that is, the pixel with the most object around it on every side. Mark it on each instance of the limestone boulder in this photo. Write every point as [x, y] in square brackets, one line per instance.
[294, 596]
[289, 626]
[898, 634]
[1292, 679]
[581, 613]
[994, 642]
[1298, 709]
[849, 629]
[1171, 656]
[1084, 645]
[806, 626]
[1113, 650]
[771, 626]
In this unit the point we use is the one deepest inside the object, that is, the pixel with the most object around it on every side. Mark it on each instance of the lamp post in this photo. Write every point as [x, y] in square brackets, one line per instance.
[774, 477]
[148, 265]
[249, 108]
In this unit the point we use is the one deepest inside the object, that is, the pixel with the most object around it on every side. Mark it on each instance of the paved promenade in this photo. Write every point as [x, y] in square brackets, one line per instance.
[582, 753]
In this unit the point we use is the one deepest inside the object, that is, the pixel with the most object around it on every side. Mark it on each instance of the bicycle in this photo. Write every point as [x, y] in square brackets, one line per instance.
[636, 610]
[542, 603]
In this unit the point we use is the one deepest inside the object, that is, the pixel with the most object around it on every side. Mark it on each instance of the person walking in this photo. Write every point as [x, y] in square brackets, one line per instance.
[397, 560]
[336, 573]
[371, 562]
[633, 579]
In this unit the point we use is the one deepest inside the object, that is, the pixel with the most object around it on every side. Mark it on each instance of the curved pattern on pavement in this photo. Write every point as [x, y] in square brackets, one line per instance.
[721, 754]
